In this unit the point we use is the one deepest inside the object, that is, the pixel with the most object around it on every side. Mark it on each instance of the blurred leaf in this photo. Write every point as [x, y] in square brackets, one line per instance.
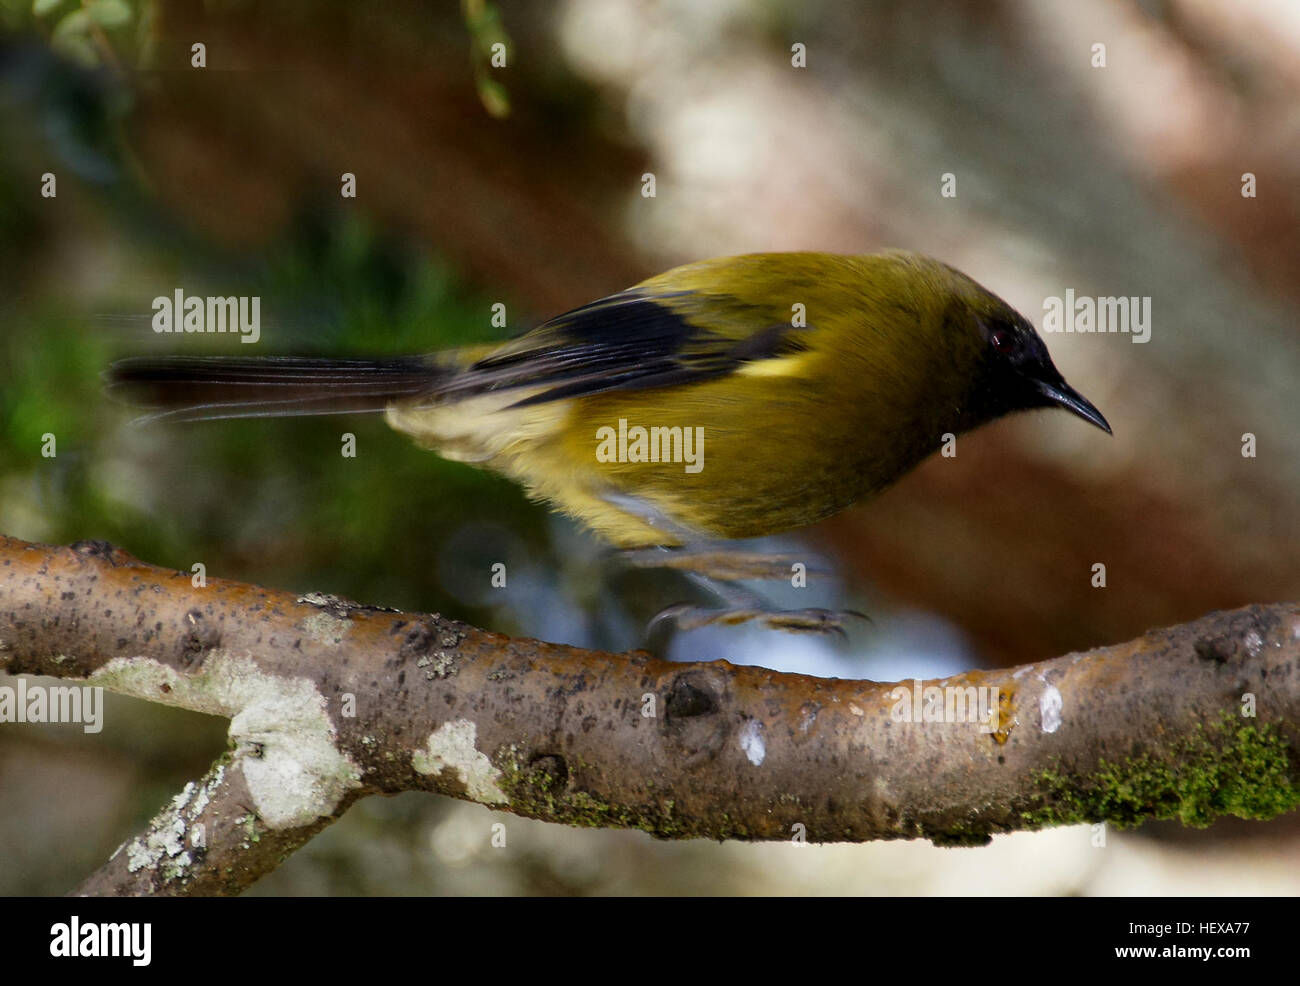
[483, 21]
[42, 7]
[110, 13]
[494, 97]
[73, 23]
[70, 41]
[76, 47]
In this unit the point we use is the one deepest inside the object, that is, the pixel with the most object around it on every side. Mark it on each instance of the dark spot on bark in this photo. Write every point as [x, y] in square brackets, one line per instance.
[94, 549]
[549, 772]
[1215, 649]
[692, 724]
[961, 838]
[576, 686]
[419, 640]
[686, 700]
[198, 638]
[67, 595]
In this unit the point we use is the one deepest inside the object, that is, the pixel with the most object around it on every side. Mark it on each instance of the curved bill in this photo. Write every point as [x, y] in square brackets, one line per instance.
[1062, 394]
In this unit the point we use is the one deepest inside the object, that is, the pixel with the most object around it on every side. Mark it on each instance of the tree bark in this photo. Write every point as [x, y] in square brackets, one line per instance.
[330, 700]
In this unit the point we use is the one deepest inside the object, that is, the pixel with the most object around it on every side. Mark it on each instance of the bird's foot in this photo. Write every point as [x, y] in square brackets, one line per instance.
[719, 569]
[722, 564]
[829, 622]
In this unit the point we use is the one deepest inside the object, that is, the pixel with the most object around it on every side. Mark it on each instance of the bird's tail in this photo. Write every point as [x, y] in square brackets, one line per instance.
[195, 388]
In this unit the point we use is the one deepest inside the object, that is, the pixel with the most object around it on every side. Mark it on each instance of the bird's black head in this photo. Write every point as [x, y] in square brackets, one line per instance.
[1017, 373]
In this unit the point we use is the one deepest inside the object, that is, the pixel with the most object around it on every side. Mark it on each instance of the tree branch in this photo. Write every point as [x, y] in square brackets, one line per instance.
[330, 701]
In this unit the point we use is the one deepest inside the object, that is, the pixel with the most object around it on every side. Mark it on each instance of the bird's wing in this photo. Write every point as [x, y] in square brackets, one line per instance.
[629, 341]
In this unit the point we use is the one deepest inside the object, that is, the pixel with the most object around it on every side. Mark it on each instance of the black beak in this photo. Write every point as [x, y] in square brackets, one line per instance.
[1062, 394]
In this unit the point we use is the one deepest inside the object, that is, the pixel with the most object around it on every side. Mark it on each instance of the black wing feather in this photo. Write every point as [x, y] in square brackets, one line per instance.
[193, 388]
[628, 341]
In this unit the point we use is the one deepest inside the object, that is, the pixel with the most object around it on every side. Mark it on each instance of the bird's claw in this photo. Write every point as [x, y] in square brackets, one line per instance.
[721, 564]
[829, 622]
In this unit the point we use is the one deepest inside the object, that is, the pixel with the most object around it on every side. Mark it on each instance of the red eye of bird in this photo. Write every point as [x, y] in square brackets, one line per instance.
[1003, 340]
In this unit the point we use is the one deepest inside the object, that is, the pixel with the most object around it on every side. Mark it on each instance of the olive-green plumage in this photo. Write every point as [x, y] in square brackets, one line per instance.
[808, 381]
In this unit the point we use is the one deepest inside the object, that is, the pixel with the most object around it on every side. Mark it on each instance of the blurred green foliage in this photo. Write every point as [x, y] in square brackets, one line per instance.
[88, 33]
[269, 500]
[487, 31]
[273, 500]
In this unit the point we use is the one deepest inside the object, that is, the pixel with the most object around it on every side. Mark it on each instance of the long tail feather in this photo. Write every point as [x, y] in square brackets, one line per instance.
[196, 388]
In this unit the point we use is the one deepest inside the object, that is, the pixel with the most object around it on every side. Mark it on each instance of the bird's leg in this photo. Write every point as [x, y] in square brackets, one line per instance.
[740, 605]
[714, 559]
[720, 562]
[718, 568]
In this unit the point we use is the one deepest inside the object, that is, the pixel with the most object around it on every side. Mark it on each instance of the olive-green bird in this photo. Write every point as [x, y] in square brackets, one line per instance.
[773, 389]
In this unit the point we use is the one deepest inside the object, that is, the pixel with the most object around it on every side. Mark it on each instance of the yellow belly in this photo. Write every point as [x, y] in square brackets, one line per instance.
[662, 467]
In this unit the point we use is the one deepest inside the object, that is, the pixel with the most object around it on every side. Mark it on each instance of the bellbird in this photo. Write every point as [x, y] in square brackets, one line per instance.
[729, 398]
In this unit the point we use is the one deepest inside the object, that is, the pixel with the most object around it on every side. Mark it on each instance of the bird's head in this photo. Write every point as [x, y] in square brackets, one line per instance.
[1018, 374]
[1013, 370]
[983, 358]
